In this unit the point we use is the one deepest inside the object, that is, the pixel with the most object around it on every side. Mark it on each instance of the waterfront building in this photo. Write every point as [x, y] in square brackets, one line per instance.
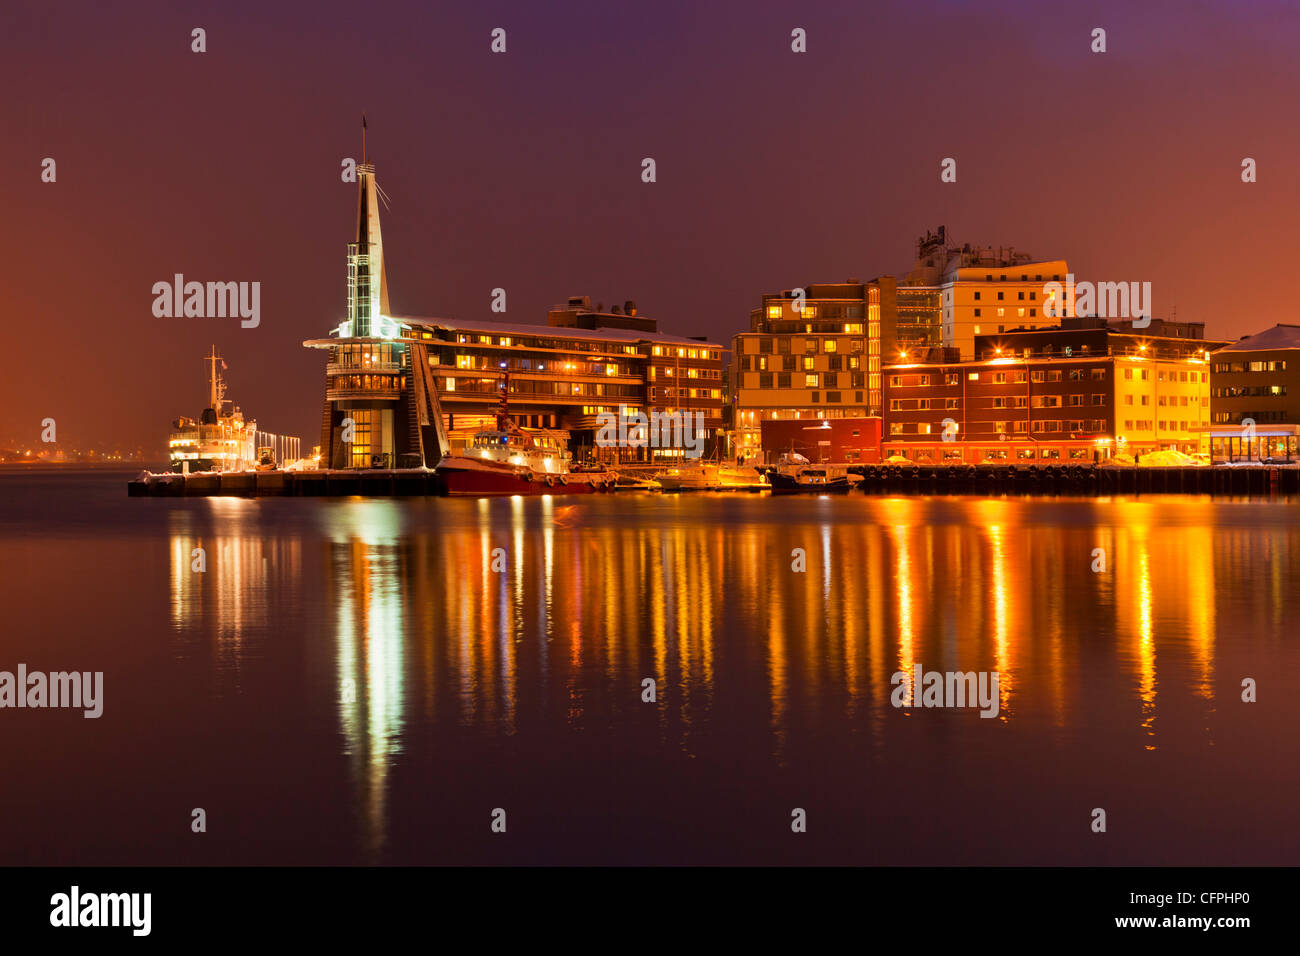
[1255, 395]
[838, 440]
[403, 391]
[1081, 391]
[811, 353]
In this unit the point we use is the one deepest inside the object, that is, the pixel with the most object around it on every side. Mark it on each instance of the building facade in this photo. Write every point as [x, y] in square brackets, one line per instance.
[403, 391]
[955, 293]
[811, 353]
[838, 440]
[1081, 392]
[1255, 396]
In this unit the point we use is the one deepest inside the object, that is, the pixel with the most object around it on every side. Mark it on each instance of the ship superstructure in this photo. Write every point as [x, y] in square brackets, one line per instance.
[219, 440]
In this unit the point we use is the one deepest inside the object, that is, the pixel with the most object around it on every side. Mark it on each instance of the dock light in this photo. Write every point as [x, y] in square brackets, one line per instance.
[902, 353]
[503, 364]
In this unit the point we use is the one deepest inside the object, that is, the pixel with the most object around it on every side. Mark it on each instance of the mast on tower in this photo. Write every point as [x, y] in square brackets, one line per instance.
[367, 281]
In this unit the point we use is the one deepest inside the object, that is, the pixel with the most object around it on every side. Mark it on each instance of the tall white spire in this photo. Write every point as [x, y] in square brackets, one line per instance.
[367, 282]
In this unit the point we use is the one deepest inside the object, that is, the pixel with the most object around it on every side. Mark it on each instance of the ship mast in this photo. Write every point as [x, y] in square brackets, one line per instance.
[216, 387]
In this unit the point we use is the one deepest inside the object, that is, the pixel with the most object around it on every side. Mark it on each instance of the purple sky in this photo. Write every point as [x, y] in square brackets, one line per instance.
[522, 170]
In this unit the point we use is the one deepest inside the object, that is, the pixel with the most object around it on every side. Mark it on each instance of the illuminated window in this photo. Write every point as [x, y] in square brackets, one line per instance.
[808, 362]
[809, 311]
[774, 312]
[828, 345]
[853, 328]
[810, 381]
[465, 361]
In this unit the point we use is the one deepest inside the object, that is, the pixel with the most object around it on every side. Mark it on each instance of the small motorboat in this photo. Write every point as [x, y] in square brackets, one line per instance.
[795, 473]
[713, 477]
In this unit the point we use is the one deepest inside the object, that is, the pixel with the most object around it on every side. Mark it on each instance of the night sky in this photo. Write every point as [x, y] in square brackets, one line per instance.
[522, 170]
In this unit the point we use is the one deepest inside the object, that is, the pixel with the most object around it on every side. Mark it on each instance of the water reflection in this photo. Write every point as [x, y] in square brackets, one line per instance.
[364, 597]
[228, 577]
[494, 617]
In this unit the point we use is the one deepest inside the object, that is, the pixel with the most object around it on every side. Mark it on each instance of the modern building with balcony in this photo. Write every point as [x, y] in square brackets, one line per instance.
[403, 391]
[811, 353]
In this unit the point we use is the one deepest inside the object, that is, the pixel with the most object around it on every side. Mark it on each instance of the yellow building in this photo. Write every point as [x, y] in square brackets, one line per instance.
[994, 294]
[979, 291]
[1161, 402]
[811, 352]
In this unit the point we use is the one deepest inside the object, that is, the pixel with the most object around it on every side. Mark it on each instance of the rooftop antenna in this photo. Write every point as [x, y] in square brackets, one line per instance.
[379, 191]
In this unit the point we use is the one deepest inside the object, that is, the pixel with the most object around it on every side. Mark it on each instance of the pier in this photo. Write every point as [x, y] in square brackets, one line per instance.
[368, 482]
[1079, 479]
[1001, 479]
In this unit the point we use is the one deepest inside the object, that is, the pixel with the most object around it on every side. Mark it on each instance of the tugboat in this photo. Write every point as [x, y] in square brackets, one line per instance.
[219, 440]
[795, 473]
[506, 460]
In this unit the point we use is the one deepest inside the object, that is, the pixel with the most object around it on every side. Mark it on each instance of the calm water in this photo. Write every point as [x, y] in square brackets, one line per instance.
[351, 682]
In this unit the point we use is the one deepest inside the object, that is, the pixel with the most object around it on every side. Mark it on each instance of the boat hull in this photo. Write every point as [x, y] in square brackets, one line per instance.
[471, 479]
[712, 478]
[792, 484]
[675, 485]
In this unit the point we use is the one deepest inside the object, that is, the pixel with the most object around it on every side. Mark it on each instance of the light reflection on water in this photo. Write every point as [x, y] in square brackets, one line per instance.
[699, 593]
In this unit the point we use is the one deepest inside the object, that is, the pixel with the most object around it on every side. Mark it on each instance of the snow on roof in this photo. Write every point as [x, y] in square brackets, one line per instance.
[1278, 337]
[553, 331]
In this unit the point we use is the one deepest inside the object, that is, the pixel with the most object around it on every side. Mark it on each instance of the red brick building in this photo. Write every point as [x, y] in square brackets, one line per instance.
[834, 439]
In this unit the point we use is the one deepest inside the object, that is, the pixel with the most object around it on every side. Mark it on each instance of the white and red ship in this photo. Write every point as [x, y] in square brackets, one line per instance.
[506, 460]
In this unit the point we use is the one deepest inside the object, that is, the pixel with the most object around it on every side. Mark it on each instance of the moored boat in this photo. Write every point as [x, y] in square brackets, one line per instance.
[627, 481]
[506, 460]
[795, 473]
[218, 440]
[708, 476]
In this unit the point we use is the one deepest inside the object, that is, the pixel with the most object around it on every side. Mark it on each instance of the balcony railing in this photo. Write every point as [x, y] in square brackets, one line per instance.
[385, 393]
[336, 368]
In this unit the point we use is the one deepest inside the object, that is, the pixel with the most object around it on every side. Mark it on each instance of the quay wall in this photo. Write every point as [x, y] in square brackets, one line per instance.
[990, 479]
